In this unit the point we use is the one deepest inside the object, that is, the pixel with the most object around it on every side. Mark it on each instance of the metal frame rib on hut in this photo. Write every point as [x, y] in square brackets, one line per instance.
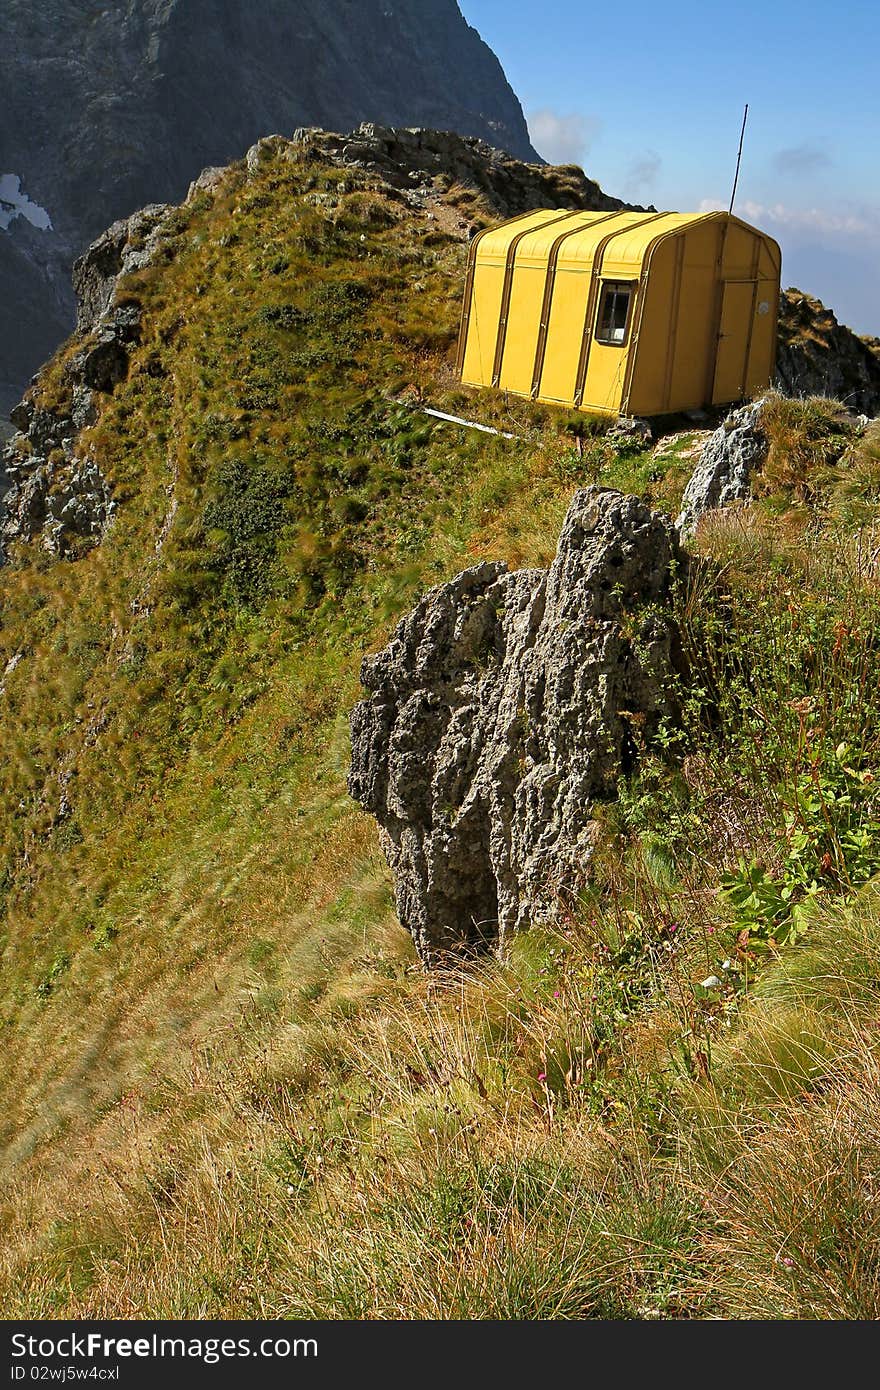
[622, 313]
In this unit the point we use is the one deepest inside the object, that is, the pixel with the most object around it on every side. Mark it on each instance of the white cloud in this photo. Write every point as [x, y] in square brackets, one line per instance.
[562, 139]
[846, 221]
[801, 159]
[829, 252]
[642, 174]
[864, 222]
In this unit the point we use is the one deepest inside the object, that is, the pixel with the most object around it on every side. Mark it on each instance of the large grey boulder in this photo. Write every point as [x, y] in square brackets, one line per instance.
[503, 708]
[724, 472]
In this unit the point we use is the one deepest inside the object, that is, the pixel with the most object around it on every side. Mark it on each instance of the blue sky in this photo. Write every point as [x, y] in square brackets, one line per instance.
[648, 97]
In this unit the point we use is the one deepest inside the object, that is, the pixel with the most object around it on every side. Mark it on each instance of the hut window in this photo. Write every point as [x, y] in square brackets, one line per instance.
[613, 313]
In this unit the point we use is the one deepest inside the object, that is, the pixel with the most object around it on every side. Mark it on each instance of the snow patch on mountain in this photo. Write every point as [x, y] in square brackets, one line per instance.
[14, 202]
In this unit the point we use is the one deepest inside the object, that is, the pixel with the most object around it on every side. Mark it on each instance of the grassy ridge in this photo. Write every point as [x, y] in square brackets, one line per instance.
[175, 730]
[229, 1089]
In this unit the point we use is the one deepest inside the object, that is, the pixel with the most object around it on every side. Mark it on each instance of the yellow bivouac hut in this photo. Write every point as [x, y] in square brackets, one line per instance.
[631, 313]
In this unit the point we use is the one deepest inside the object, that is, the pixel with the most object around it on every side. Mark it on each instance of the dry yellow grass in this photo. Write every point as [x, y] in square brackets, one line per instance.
[229, 1089]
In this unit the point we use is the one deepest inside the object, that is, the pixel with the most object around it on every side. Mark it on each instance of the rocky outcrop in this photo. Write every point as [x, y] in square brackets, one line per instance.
[107, 108]
[413, 158]
[62, 504]
[731, 455]
[505, 706]
[49, 484]
[129, 245]
[54, 490]
[817, 356]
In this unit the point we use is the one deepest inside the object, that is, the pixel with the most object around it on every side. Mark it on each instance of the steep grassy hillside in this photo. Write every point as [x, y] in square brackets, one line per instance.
[228, 1088]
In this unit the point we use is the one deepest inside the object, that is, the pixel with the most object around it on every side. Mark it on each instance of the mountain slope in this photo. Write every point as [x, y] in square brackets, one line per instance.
[228, 1088]
[109, 107]
[174, 706]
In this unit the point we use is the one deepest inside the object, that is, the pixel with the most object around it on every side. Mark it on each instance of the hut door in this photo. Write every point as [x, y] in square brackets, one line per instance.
[733, 341]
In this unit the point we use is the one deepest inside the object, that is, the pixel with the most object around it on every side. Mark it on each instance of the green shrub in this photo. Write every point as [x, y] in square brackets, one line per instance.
[244, 522]
[831, 845]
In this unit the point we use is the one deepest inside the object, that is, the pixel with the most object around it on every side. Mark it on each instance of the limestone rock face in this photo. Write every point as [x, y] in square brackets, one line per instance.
[505, 706]
[735, 451]
[63, 506]
[48, 486]
[817, 356]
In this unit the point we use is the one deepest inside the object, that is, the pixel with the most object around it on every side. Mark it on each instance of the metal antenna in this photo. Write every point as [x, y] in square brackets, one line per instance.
[738, 158]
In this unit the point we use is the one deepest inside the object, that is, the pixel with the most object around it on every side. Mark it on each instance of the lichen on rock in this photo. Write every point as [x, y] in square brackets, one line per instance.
[504, 708]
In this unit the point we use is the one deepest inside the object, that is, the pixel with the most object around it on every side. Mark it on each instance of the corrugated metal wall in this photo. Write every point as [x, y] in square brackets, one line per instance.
[693, 299]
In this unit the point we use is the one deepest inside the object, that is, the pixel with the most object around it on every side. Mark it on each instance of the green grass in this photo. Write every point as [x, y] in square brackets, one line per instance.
[228, 1087]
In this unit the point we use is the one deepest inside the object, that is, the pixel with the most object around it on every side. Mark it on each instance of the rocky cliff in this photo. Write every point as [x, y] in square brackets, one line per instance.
[503, 708]
[107, 108]
[817, 356]
[53, 487]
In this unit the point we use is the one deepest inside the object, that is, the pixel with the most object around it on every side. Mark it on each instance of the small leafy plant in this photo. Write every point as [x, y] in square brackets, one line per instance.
[832, 837]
